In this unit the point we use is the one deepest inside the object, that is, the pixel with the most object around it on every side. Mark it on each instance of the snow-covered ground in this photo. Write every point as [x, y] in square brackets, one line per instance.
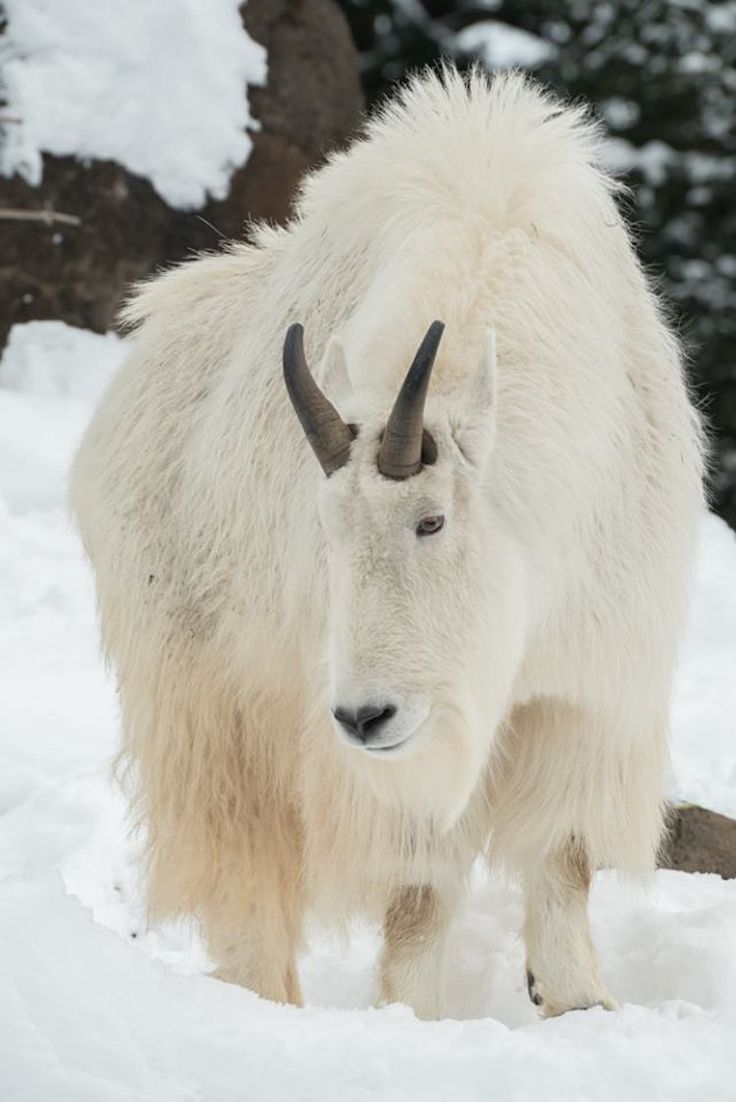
[95, 1007]
[159, 87]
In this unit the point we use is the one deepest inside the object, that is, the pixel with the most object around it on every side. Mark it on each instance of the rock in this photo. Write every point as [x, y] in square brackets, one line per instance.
[700, 841]
[77, 273]
[311, 103]
[121, 229]
[313, 96]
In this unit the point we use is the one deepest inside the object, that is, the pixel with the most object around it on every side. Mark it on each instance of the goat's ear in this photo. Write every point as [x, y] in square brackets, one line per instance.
[474, 424]
[332, 373]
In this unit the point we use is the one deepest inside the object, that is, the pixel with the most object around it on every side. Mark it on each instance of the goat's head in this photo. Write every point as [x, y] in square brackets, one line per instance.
[405, 513]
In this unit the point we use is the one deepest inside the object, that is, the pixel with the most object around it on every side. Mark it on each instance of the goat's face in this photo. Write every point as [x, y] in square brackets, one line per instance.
[414, 597]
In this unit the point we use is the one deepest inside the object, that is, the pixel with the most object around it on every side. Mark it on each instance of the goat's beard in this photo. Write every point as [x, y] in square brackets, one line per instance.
[433, 777]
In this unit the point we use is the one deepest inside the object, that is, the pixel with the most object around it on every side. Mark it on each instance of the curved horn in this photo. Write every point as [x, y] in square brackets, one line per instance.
[325, 429]
[405, 441]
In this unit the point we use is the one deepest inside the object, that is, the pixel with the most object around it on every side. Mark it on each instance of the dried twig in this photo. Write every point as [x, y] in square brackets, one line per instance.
[211, 227]
[8, 118]
[48, 217]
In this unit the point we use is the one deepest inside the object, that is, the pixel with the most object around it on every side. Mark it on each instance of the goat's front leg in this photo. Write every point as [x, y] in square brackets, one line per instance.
[252, 921]
[562, 965]
[413, 958]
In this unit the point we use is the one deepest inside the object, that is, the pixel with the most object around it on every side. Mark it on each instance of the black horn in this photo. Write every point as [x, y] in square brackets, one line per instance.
[406, 446]
[325, 429]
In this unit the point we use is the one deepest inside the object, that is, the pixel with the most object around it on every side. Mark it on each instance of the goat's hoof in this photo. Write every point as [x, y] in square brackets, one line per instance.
[531, 986]
[551, 1008]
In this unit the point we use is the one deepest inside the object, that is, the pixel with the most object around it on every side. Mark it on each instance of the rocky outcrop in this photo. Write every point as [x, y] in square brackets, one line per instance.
[700, 841]
[114, 228]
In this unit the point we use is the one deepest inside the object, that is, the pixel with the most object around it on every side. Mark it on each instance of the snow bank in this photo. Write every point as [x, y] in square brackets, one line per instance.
[92, 1019]
[158, 87]
[97, 1007]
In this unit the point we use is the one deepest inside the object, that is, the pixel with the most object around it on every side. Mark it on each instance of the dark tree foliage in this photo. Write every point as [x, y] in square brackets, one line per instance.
[662, 74]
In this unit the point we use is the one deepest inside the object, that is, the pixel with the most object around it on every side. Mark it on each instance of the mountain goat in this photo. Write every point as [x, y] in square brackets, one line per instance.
[451, 630]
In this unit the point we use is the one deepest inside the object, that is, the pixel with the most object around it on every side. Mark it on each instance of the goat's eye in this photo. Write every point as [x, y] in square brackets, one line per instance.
[429, 525]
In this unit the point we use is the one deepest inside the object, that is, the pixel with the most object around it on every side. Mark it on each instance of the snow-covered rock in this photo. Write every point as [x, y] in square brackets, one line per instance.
[159, 87]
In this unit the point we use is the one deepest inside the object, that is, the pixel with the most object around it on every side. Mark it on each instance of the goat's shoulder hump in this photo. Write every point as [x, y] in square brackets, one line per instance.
[205, 282]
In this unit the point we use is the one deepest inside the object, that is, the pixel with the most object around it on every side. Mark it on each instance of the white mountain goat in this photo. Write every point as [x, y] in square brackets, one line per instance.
[341, 681]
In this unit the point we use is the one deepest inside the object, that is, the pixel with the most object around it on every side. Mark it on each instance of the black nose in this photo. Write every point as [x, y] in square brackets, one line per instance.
[365, 724]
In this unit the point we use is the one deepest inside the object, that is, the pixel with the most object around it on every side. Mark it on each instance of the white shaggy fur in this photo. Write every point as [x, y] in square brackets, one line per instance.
[529, 645]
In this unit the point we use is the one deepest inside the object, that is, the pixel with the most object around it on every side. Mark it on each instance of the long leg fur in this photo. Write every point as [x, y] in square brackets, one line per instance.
[572, 792]
[415, 933]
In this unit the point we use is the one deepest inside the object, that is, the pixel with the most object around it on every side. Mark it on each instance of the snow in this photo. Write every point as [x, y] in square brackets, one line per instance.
[98, 1007]
[501, 46]
[158, 87]
[721, 17]
[655, 160]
